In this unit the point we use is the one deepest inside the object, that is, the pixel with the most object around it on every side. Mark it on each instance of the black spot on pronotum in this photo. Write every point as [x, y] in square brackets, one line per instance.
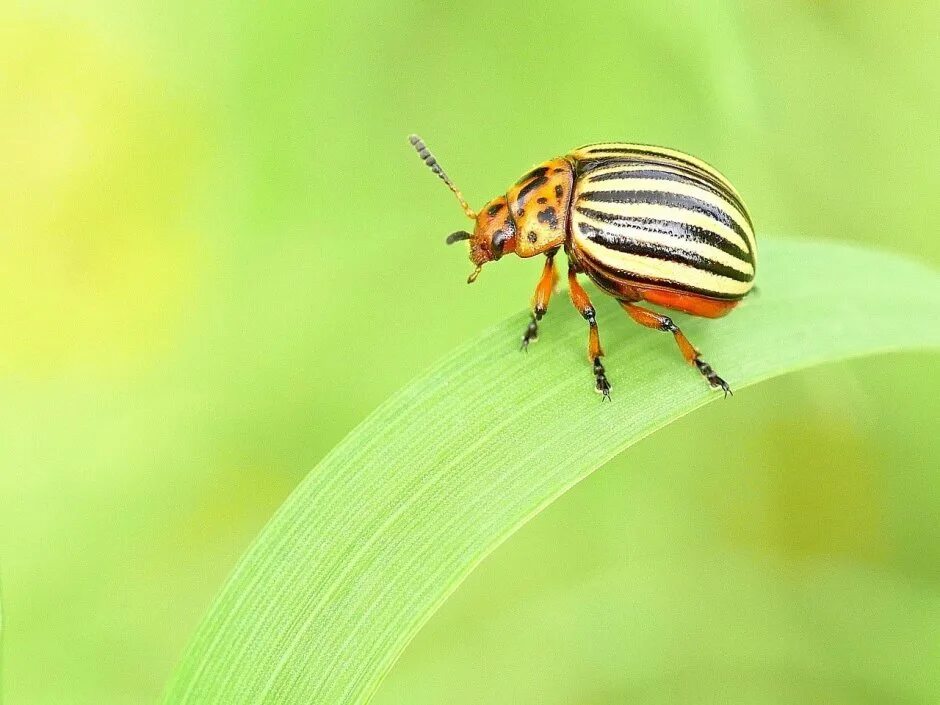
[529, 188]
[535, 173]
[493, 210]
[532, 236]
[549, 218]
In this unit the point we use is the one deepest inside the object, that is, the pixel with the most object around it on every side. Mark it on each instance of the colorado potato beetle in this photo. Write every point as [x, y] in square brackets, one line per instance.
[643, 223]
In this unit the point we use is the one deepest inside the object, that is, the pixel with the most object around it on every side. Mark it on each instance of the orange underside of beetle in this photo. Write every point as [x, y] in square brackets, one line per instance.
[687, 303]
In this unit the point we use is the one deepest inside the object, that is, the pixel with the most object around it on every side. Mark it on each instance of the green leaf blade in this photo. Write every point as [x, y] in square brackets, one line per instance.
[393, 519]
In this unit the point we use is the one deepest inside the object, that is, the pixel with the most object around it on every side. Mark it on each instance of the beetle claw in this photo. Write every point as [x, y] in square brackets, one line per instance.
[719, 383]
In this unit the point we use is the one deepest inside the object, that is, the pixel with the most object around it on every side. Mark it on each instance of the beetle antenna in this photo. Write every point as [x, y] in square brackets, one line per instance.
[429, 159]
[458, 236]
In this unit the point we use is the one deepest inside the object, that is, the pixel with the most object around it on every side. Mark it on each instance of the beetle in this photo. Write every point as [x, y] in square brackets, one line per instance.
[644, 223]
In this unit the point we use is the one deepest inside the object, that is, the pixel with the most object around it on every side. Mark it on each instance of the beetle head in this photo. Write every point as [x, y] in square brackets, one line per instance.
[494, 232]
[494, 235]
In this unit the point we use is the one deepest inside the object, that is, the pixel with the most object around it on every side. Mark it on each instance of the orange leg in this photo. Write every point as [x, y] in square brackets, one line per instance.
[543, 292]
[657, 321]
[581, 302]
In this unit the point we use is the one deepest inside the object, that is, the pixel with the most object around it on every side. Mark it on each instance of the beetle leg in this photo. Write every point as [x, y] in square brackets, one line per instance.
[657, 321]
[543, 292]
[581, 302]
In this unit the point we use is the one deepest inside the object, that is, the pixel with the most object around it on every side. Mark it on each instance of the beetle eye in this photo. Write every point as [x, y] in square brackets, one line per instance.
[500, 237]
[503, 235]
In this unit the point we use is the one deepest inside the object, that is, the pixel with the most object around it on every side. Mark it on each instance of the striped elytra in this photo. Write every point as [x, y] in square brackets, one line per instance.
[645, 224]
[650, 216]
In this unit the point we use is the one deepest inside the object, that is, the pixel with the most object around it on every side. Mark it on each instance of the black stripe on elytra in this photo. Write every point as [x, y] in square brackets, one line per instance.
[657, 156]
[644, 150]
[586, 166]
[665, 198]
[679, 175]
[529, 188]
[614, 281]
[624, 243]
[719, 186]
[673, 228]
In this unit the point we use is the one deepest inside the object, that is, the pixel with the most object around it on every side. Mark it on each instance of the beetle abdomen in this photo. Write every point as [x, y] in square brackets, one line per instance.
[656, 217]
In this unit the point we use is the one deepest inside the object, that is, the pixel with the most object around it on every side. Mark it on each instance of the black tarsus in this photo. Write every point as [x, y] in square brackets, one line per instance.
[714, 380]
[532, 330]
[601, 384]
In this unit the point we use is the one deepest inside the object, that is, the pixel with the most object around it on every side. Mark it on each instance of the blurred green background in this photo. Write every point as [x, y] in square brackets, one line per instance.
[218, 253]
